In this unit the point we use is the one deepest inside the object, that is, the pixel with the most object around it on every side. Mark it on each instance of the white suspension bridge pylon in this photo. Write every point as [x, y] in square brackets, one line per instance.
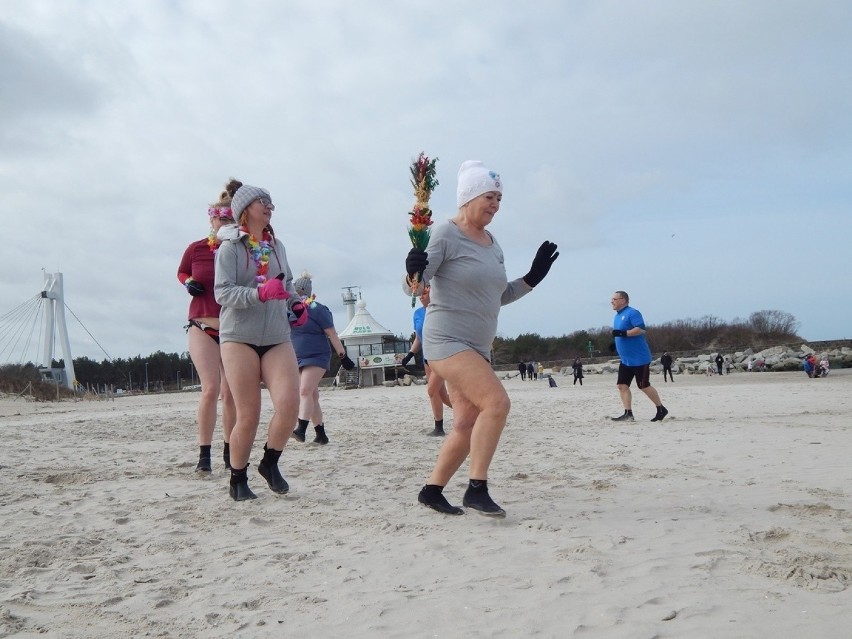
[45, 312]
[54, 319]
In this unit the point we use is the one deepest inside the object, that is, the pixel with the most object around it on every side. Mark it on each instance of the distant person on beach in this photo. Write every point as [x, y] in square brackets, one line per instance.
[809, 363]
[720, 363]
[436, 388]
[465, 267]
[313, 342]
[577, 367]
[539, 371]
[196, 273]
[628, 329]
[666, 361]
[530, 371]
[254, 285]
[522, 369]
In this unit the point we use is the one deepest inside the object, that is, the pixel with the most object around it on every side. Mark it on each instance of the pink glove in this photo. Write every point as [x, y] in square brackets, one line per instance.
[272, 290]
[300, 312]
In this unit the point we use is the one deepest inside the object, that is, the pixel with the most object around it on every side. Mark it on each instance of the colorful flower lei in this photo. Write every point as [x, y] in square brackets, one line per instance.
[221, 213]
[424, 182]
[310, 301]
[259, 253]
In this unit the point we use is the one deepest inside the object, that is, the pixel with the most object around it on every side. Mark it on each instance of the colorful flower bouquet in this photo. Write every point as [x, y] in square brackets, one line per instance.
[424, 182]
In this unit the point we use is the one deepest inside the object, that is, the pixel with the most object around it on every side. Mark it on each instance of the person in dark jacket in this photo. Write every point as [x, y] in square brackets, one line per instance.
[578, 371]
[666, 361]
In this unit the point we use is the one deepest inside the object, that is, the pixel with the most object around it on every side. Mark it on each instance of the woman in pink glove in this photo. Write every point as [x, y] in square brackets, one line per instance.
[254, 285]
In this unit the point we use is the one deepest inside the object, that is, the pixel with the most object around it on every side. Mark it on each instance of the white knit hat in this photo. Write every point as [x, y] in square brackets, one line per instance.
[244, 196]
[474, 180]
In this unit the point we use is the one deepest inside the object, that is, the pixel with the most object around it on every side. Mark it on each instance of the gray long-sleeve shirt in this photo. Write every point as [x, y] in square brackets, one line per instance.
[244, 318]
[469, 286]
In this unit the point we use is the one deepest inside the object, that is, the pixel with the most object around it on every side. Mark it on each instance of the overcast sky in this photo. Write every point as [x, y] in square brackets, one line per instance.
[695, 154]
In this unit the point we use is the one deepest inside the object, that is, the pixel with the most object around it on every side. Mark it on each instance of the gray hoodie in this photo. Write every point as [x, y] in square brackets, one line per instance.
[244, 318]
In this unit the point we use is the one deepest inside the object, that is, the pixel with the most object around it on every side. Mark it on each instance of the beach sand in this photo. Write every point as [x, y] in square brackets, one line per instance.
[731, 518]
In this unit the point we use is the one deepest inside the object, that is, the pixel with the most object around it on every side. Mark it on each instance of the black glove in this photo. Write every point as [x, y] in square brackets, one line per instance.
[543, 260]
[617, 332]
[612, 347]
[347, 363]
[194, 287]
[415, 262]
[407, 358]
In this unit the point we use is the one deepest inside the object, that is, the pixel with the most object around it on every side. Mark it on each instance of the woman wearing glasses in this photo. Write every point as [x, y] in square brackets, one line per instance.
[254, 285]
[195, 272]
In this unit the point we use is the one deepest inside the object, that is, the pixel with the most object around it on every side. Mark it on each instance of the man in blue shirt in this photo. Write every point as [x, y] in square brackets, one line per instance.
[436, 388]
[628, 330]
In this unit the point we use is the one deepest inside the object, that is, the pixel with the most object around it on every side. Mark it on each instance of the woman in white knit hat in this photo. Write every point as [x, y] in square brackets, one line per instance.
[464, 266]
[254, 285]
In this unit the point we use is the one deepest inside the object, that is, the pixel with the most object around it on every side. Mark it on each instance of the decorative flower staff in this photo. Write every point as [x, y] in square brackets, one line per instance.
[424, 182]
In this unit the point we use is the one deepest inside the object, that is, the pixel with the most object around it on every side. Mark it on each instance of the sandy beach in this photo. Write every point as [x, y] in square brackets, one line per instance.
[731, 518]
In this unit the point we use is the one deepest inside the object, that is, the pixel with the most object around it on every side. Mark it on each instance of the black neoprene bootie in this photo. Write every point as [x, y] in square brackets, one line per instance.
[268, 469]
[476, 497]
[226, 456]
[321, 437]
[431, 496]
[439, 429]
[662, 411]
[203, 465]
[239, 489]
[299, 433]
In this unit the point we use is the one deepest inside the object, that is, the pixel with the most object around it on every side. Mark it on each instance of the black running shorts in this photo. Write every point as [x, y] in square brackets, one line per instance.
[642, 375]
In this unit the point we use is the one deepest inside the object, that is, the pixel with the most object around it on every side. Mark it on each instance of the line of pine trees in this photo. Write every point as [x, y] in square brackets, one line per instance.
[172, 371]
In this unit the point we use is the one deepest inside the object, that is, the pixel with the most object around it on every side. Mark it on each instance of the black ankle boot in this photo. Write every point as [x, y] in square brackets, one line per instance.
[431, 496]
[203, 465]
[239, 489]
[226, 456]
[268, 469]
[476, 497]
[321, 437]
[299, 433]
[439, 429]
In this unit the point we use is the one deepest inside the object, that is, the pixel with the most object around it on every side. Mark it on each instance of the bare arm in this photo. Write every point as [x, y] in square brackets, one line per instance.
[336, 344]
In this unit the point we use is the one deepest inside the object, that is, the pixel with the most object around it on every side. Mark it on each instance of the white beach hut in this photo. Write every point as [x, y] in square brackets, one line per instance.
[371, 346]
